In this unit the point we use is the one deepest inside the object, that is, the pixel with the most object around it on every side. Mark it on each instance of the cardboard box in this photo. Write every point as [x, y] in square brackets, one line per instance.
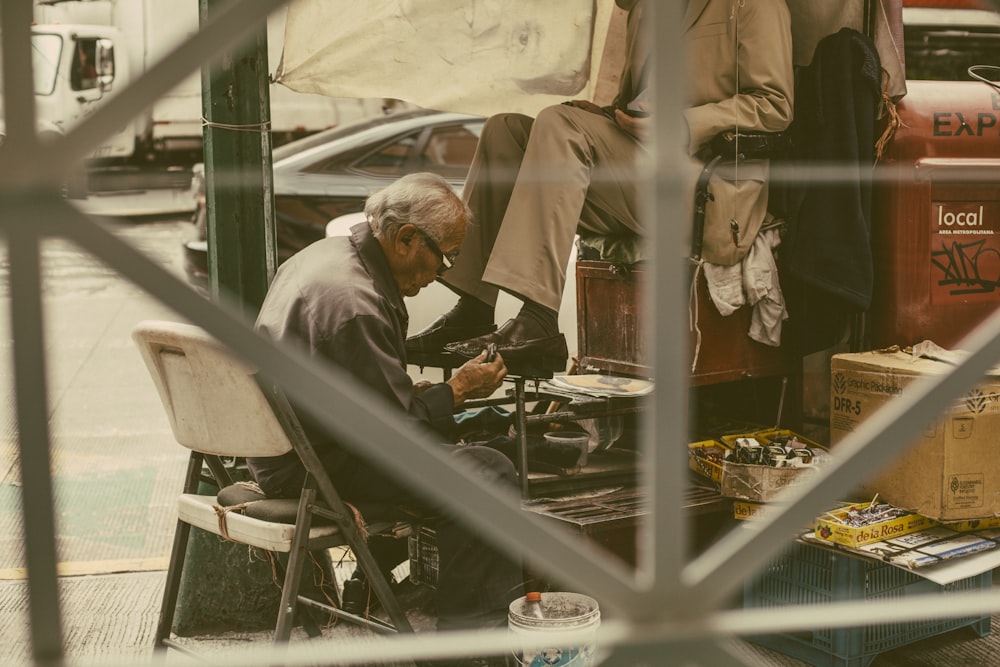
[830, 528]
[973, 524]
[761, 483]
[952, 472]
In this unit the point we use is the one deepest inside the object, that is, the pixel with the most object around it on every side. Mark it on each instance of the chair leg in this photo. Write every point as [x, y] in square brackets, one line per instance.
[380, 585]
[172, 586]
[297, 555]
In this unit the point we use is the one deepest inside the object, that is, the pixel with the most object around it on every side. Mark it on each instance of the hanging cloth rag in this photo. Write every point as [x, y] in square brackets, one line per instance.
[753, 281]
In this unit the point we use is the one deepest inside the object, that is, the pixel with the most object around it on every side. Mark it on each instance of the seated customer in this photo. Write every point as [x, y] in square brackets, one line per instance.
[534, 182]
[531, 183]
[342, 299]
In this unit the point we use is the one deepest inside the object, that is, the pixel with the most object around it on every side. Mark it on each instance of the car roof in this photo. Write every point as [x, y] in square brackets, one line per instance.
[359, 132]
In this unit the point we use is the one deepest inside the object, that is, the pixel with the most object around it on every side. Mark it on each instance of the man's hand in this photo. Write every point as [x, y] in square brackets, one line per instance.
[637, 126]
[477, 378]
[586, 106]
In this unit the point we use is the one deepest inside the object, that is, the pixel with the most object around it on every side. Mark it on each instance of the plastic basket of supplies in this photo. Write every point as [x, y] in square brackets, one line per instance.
[422, 550]
[807, 574]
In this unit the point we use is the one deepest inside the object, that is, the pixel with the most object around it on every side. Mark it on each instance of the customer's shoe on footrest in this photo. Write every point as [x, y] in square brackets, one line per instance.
[445, 329]
[524, 355]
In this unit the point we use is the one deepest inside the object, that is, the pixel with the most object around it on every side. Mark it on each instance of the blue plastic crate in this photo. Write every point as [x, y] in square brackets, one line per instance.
[813, 575]
[422, 550]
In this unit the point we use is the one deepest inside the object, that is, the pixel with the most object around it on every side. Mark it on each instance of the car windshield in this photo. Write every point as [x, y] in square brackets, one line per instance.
[45, 51]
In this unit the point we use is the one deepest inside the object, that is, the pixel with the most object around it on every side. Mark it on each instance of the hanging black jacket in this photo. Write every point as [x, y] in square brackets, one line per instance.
[826, 256]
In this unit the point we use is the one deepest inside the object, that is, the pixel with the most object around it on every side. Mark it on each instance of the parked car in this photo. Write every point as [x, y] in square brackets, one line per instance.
[943, 38]
[333, 172]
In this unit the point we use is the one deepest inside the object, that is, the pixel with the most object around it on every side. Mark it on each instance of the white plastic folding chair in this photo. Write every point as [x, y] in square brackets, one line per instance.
[218, 408]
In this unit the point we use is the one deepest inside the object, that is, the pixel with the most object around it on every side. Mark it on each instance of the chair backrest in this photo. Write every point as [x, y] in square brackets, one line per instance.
[212, 399]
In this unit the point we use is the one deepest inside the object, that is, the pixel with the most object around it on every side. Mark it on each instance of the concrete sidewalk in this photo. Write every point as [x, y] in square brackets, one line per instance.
[111, 619]
[115, 464]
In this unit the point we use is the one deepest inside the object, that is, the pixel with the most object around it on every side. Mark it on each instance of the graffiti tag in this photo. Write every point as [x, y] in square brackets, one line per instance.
[968, 268]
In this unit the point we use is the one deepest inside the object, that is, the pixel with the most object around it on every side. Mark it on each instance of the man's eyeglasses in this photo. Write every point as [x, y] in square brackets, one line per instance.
[447, 261]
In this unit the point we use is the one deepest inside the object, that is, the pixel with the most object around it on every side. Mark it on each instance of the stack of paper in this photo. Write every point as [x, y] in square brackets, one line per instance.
[927, 547]
[601, 386]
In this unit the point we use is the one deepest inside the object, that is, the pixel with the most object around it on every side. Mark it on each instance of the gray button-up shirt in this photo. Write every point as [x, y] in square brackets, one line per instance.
[338, 299]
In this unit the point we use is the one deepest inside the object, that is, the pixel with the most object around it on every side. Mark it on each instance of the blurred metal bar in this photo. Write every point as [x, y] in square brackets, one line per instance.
[18, 87]
[21, 171]
[33, 430]
[664, 545]
[650, 618]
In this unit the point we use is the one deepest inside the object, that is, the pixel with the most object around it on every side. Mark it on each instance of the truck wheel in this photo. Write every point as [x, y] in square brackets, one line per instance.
[76, 185]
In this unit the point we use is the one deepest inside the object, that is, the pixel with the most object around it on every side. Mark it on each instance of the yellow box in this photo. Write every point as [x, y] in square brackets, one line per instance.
[744, 510]
[702, 465]
[831, 530]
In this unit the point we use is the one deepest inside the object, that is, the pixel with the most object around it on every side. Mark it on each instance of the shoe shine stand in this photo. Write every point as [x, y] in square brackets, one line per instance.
[614, 468]
[574, 498]
[725, 374]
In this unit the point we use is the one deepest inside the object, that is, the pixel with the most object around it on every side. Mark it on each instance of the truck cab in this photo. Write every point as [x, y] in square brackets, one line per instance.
[75, 70]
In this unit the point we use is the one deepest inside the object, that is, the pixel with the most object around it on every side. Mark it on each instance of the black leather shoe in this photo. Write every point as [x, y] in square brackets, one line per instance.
[356, 596]
[529, 357]
[441, 331]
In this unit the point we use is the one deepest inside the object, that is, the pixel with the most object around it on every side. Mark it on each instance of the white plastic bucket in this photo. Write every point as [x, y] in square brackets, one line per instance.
[564, 612]
[570, 439]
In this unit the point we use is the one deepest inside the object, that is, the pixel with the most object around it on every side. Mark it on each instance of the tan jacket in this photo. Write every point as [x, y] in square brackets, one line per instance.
[739, 67]
[740, 75]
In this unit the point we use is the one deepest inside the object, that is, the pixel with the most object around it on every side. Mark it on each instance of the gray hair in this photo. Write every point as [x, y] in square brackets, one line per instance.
[422, 199]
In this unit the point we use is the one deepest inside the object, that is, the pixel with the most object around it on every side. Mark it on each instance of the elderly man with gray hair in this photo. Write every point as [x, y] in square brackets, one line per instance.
[341, 299]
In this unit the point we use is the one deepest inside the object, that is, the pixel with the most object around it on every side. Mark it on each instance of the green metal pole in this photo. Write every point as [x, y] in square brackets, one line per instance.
[239, 190]
[224, 587]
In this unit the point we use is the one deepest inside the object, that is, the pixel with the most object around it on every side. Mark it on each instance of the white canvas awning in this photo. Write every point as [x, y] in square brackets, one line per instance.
[471, 56]
[489, 56]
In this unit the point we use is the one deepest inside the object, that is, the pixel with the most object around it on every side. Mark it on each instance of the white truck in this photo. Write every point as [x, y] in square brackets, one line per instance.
[84, 51]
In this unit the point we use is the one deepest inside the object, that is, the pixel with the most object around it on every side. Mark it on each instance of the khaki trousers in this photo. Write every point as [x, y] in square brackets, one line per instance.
[532, 183]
